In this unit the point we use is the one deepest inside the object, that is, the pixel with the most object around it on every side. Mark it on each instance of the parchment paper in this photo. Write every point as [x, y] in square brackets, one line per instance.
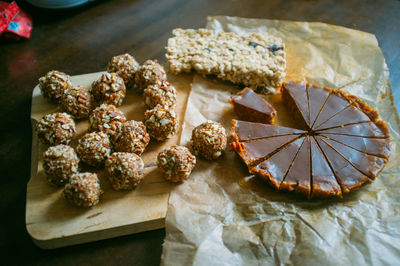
[223, 216]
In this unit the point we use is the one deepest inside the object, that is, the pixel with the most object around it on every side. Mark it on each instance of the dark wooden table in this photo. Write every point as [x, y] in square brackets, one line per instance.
[82, 40]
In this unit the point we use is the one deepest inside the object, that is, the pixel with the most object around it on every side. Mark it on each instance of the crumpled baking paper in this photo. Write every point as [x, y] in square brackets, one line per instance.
[224, 216]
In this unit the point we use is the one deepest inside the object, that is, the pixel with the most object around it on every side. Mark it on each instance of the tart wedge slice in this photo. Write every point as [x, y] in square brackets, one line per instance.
[317, 97]
[373, 146]
[245, 131]
[334, 104]
[350, 115]
[369, 165]
[274, 169]
[250, 107]
[324, 183]
[298, 178]
[294, 95]
[366, 130]
[346, 174]
[255, 151]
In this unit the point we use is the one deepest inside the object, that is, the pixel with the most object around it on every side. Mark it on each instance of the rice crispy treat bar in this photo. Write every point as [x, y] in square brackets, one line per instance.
[253, 60]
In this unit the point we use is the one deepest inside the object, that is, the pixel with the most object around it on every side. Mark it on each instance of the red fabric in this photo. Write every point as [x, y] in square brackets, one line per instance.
[13, 20]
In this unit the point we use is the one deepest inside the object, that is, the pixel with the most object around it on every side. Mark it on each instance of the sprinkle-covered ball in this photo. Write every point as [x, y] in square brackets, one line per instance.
[56, 128]
[53, 84]
[176, 162]
[83, 190]
[132, 138]
[109, 88]
[94, 148]
[107, 118]
[60, 163]
[161, 122]
[161, 92]
[125, 66]
[149, 73]
[209, 140]
[76, 101]
[125, 170]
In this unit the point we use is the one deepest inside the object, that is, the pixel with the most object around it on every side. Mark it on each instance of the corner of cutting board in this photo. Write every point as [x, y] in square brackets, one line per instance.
[53, 243]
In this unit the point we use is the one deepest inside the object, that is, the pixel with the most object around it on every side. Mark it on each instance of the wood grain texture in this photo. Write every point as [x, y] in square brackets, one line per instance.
[82, 40]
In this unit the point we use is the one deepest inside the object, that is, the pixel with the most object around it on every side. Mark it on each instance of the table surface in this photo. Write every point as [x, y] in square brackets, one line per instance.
[82, 40]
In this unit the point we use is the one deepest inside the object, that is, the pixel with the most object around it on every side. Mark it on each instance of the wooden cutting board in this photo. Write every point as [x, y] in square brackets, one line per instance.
[52, 222]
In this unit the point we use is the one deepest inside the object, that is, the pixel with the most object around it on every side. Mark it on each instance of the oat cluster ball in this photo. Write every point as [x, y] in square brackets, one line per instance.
[56, 128]
[109, 130]
[161, 122]
[149, 73]
[209, 140]
[94, 148]
[53, 84]
[161, 92]
[125, 66]
[109, 88]
[132, 138]
[107, 118]
[60, 163]
[125, 170]
[76, 101]
[83, 190]
[176, 162]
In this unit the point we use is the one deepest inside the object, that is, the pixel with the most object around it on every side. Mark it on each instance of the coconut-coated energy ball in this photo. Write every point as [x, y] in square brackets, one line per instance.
[176, 162]
[161, 122]
[53, 84]
[77, 102]
[209, 140]
[109, 88]
[149, 73]
[125, 66]
[56, 128]
[132, 138]
[83, 190]
[107, 118]
[94, 148]
[60, 163]
[125, 170]
[161, 92]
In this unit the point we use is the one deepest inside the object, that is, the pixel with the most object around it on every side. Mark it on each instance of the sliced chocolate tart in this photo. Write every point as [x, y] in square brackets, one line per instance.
[344, 144]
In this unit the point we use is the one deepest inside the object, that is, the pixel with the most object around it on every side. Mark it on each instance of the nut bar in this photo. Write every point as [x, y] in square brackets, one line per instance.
[254, 60]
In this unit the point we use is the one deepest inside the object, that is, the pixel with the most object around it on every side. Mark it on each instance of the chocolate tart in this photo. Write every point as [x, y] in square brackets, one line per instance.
[341, 146]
